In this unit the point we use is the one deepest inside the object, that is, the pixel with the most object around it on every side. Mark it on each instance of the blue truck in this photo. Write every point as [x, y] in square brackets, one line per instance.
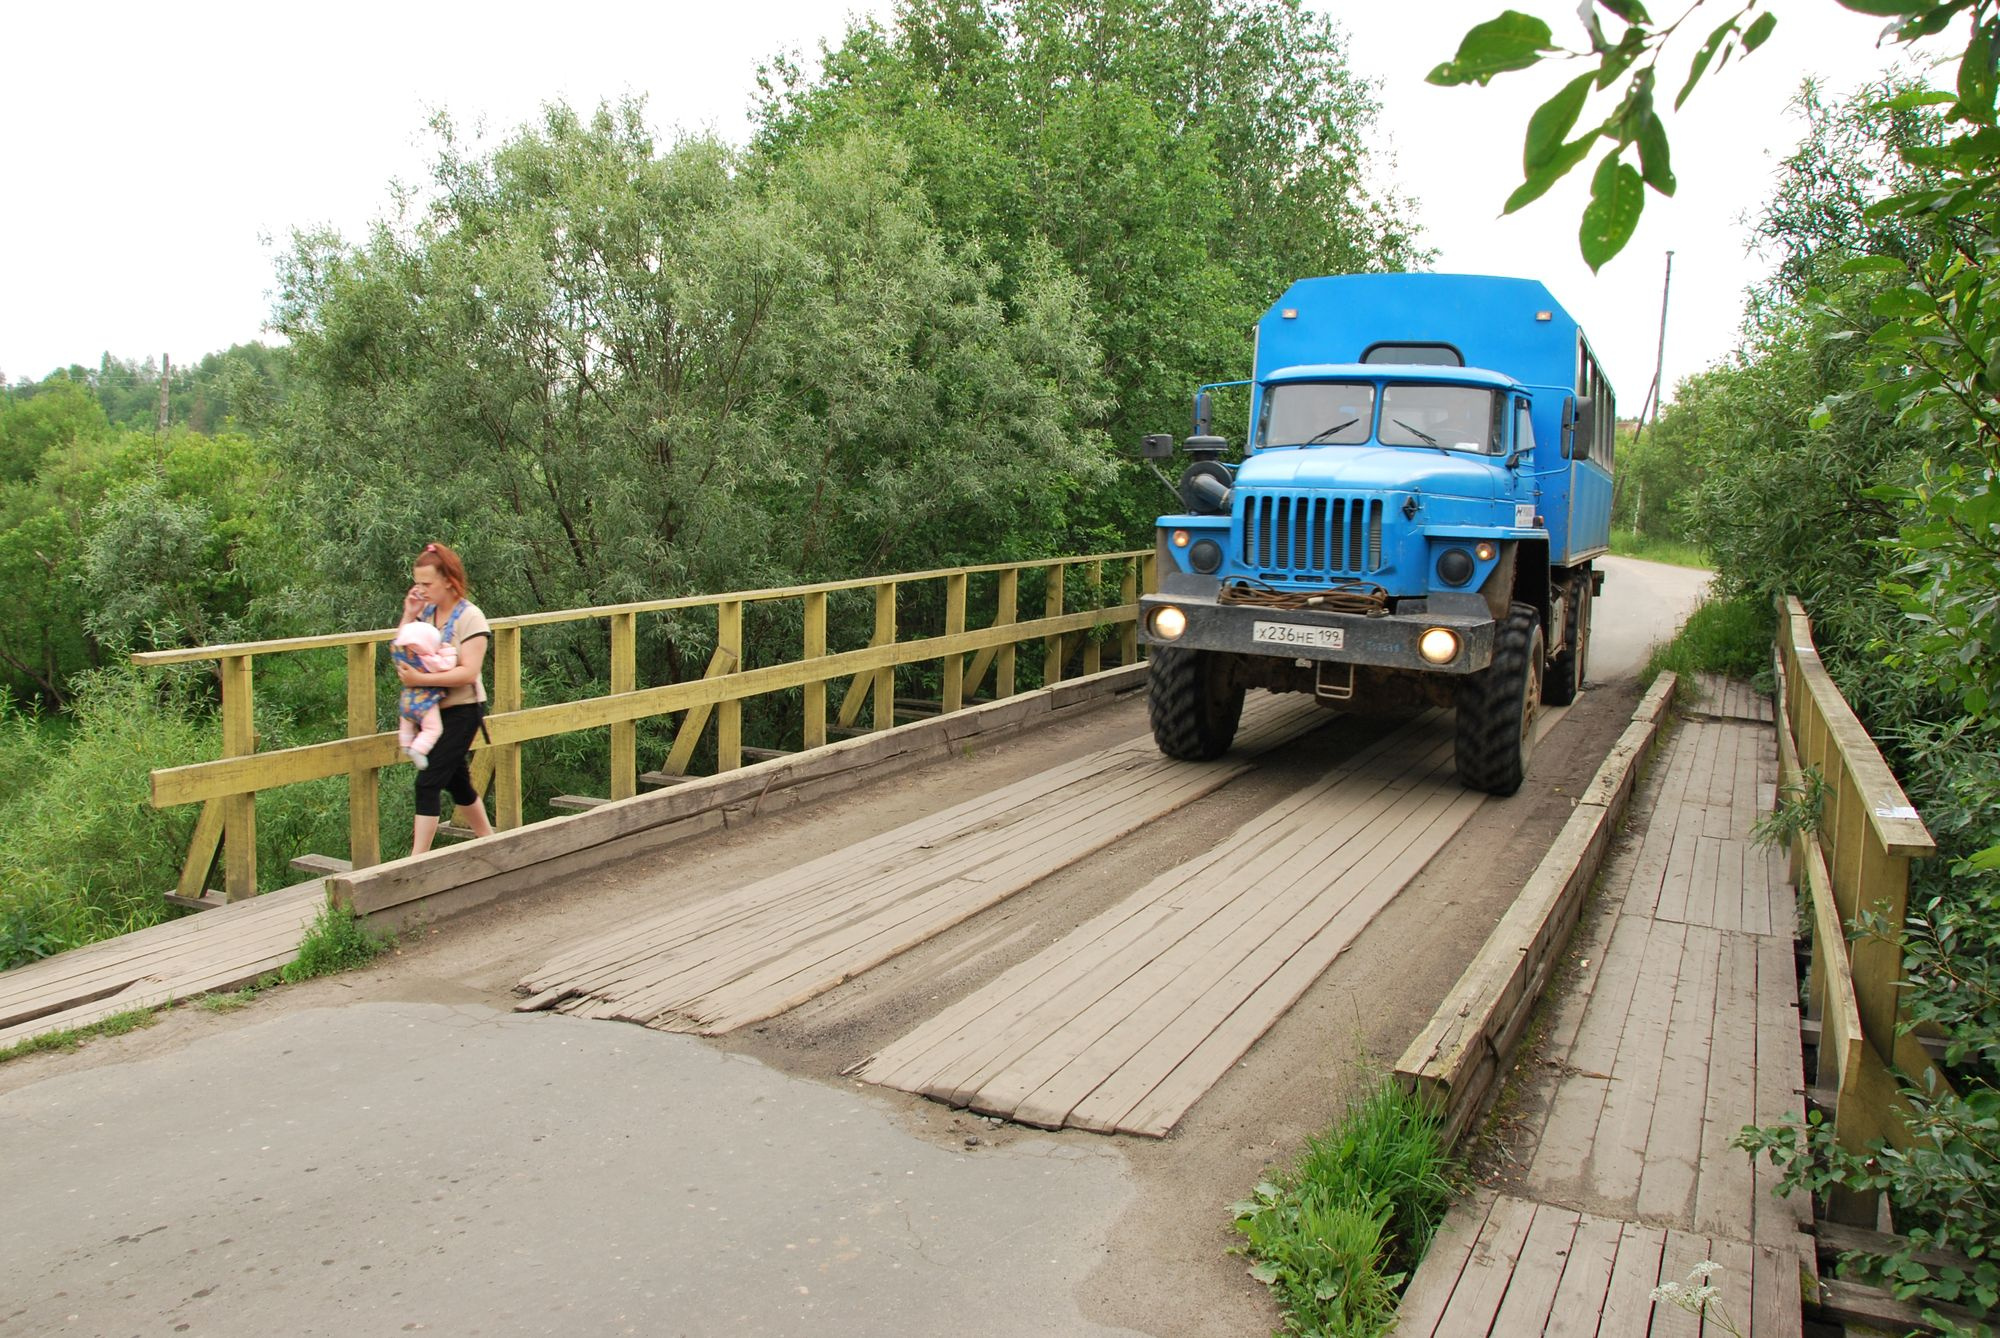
[1413, 521]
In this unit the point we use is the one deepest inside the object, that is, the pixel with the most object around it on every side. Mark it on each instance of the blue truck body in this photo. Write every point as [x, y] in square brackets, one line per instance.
[1428, 472]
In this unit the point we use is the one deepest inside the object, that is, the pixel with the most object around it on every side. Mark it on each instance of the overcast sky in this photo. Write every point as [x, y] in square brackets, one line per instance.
[157, 154]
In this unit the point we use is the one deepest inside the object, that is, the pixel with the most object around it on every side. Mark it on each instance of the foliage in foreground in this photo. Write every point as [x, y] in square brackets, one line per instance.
[1336, 1236]
[335, 941]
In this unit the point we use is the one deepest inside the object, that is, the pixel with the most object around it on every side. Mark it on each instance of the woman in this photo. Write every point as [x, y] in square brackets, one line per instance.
[438, 597]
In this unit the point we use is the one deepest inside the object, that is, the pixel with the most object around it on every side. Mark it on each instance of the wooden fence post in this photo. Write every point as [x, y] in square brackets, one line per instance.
[1052, 606]
[729, 714]
[1006, 614]
[1128, 594]
[815, 691]
[507, 757]
[239, 811]
[885, 635]
[364, 784]
[625, 733]
[954, 623]
[1093, 648]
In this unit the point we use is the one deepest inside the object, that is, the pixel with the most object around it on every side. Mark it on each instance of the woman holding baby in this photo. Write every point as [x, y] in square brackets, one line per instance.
[437, 597]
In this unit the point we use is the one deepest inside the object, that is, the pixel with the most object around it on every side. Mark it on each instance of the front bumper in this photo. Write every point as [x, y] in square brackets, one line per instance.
[1308, 634]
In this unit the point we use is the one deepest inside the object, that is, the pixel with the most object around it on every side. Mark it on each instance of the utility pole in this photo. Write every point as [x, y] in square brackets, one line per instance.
[1659, 381]
[166, 366]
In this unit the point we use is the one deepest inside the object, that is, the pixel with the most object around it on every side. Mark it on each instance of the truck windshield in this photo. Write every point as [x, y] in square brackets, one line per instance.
[1317, 413]
[1454, 418]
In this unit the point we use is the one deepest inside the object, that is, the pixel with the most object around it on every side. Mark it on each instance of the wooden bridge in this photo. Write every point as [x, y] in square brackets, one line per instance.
[1680, 1026]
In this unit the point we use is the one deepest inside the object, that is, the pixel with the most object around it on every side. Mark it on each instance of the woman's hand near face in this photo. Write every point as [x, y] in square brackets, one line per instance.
[413, 602]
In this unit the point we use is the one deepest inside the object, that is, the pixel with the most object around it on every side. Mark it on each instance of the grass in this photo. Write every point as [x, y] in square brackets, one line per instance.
[115, 1025]
[1730, 637]
[334, 942]
[1336, 1236]
[1652, 548]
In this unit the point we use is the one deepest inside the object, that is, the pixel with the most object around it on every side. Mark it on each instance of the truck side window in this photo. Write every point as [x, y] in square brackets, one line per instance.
[1524, 428]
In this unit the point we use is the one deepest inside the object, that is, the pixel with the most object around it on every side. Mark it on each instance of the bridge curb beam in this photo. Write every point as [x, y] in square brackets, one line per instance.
[443, 882]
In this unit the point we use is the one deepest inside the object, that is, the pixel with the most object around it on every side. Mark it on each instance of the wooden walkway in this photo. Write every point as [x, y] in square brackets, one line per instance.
[727, 961]
[1681, 1028]
[220, 949]
[1123, 1024]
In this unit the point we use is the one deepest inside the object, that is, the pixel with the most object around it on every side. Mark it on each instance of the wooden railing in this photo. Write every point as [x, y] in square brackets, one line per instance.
[227, 788]
[1857, 860]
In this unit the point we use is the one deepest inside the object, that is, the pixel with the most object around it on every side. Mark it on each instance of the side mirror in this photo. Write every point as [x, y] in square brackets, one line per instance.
[1204, 417]
[1156, 446]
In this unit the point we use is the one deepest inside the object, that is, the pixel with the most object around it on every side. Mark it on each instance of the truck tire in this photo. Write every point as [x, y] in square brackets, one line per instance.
[1192, 706]
[1564, 679]
[1496, 708]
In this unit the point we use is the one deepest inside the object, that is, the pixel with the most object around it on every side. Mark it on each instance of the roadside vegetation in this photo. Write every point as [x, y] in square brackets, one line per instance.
[1336, 1235]
[1847, 453]
[1654, 548]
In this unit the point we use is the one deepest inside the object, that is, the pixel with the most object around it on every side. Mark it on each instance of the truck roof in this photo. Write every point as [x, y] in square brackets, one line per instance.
[1427, 373]
[1502, 324]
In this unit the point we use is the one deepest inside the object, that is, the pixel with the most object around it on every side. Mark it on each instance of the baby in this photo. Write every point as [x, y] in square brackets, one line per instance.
[418, 723]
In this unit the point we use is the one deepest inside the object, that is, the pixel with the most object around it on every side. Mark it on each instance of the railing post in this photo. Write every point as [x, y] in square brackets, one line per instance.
[1128, 633]
[507, 757]
[239, 811]
[364, 784]
[885, 635]
[1006, 614]
[1052, 607]
[624, 733]
[815, 691]
[954, 623]
[729, 714]
[1093, 649]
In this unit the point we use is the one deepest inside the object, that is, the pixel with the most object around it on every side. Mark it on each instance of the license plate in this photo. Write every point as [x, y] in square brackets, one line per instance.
[1297, 634]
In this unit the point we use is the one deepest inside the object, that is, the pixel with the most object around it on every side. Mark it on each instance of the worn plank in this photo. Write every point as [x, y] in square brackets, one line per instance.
[1673, 1140]
[1586, 1278]
[1537, 1272]
[1628, 1301]
[1427, 1297]
[1725, 1195]
[1475, 1302]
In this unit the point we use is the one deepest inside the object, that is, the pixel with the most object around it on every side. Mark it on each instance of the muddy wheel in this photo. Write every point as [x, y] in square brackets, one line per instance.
[1193, 708]
[1496, 708]
[1564, 679]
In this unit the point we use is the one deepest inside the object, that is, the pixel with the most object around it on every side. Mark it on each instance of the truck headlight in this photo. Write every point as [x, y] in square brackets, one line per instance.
[1168, 622]
[1455, 566]
[1206, 556]
[1439, 645]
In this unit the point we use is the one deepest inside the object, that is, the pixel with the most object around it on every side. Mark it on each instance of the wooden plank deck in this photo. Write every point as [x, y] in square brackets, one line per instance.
[1124, 1023]
[727, 961]
[1681, 1027]
[221, 949]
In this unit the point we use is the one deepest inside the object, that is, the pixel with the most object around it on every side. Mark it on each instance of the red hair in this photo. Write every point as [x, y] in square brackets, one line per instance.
[445, 563]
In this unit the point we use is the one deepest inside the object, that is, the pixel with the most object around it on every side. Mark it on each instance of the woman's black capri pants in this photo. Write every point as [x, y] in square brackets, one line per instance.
[449, 769]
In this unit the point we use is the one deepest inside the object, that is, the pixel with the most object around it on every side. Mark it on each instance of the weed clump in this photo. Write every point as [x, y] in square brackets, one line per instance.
[1337, 1235]
[335, 941]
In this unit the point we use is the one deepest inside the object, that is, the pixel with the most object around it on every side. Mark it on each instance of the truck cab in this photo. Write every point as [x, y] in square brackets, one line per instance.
[1414, 519]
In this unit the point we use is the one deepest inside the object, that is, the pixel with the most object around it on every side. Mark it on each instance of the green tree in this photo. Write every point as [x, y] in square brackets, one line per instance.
[609, 372]
[1185, 158]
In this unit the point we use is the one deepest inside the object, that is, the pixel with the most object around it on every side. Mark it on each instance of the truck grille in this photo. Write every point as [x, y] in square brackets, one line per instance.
[1293, 535]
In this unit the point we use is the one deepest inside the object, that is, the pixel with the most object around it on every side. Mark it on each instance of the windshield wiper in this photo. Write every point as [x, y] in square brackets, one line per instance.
[1318, 437]
[1427, 438]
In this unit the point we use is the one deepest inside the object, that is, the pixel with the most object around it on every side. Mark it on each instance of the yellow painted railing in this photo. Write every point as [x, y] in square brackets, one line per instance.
[1857, 860]
[1079, 595]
